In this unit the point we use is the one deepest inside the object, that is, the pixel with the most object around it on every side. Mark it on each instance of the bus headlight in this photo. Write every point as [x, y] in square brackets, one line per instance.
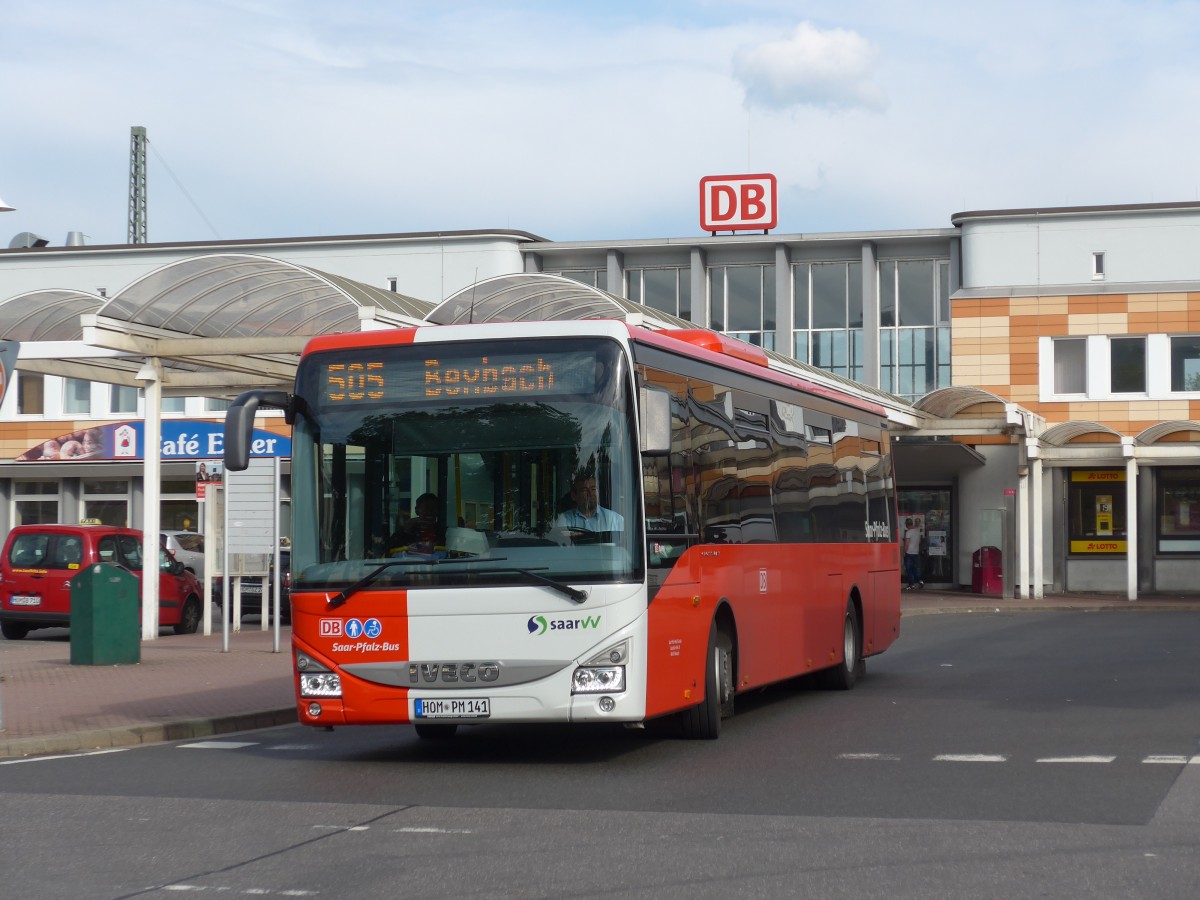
[598, 680]
[315, 679]
[602, 673]
[320, 684]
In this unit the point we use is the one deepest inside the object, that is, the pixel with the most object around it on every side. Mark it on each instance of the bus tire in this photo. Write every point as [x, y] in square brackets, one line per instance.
[845, 674]
[703, 721]
[441, 732]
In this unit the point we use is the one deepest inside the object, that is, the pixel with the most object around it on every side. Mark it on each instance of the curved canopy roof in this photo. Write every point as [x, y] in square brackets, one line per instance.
[240, 295]
[536, 297]
[1169, 432]
[216, 324]
[1067, 432]
[51, 315]
[945, 403]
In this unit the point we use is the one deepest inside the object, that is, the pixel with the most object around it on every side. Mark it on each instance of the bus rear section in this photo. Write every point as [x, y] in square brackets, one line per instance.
[573, 522]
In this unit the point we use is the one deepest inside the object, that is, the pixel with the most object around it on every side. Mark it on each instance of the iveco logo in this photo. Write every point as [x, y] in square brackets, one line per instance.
[429, 673]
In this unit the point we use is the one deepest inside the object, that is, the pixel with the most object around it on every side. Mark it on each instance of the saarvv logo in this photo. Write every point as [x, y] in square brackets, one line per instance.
[539, 625]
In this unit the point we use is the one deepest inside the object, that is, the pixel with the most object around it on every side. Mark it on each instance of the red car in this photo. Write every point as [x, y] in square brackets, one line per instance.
[39, 562]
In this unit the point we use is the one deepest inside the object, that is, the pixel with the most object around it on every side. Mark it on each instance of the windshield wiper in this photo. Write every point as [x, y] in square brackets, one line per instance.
[574, 593]
[342, 596]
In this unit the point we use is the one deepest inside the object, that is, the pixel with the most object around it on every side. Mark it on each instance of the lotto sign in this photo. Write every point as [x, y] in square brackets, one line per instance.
[738, 202]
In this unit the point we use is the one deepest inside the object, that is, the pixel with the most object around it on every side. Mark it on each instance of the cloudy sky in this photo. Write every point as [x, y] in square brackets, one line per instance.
[586, 120]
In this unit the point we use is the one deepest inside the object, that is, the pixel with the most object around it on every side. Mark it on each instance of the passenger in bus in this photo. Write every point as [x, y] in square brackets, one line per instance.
[423, 533]
[587, 514]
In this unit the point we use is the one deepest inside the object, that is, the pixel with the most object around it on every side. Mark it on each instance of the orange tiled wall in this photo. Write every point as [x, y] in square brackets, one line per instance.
[994, 346]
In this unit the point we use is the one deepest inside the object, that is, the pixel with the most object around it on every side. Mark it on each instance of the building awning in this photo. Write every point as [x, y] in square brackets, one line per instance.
[918, 461]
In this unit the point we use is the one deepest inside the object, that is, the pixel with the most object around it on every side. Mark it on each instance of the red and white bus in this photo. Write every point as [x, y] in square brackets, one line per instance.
[746, 531]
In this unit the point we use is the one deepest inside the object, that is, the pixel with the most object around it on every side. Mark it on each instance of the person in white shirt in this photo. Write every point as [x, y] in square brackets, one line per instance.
[588, 514]
[912, 554]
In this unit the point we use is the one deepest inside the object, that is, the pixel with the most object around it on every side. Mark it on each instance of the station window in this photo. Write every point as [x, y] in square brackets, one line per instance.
[107, 501]
[1185, 363]
[1127, 359]
[1096, 514]
[35, 502]
[1178, 510]
[77, 397]
[667, 290]
[1070, 366]
[31, 395]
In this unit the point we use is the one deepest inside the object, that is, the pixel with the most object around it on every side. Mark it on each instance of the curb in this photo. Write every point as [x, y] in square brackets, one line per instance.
[1129, 606]
[133, 735]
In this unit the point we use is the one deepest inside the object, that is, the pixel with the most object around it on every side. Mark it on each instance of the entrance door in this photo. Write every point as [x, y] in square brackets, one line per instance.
[930, 510]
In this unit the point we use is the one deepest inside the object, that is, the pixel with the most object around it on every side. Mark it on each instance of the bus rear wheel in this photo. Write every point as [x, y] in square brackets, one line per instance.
[440, 732]
[703, 722]
[845, 675]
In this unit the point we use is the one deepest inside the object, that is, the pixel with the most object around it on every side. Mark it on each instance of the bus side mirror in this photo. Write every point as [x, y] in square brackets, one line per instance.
[239, 424]
[655, 407]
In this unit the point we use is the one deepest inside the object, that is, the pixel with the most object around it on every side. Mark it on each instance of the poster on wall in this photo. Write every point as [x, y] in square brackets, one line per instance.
[937, 543]
[181, 439]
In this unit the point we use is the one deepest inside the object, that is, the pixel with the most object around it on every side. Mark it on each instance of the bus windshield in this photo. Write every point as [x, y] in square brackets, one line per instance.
[466, 463]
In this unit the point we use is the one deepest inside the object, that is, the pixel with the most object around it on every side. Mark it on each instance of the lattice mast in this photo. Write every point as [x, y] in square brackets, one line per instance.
[137, 185]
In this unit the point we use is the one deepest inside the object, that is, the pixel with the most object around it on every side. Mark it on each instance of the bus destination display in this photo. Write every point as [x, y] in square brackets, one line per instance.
[443, 375]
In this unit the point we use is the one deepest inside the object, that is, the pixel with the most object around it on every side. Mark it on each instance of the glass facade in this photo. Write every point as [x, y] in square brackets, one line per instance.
[914, 320]
[668, 290]
[741, 303]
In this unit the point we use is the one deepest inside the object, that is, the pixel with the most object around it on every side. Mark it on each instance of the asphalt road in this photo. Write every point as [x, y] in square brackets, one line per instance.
[1041, 754]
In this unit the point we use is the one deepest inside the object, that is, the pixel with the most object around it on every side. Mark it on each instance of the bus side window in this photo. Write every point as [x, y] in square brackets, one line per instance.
[666, 509]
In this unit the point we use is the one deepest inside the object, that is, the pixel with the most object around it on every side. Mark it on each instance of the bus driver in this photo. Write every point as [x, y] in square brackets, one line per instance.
[587, 514]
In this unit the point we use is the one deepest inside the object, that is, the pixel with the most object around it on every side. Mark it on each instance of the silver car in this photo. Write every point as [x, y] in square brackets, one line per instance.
[188, 548]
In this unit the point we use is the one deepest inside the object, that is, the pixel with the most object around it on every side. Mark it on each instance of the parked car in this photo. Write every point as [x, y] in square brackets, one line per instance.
[252, 590]
[39, 561]
[188, 548]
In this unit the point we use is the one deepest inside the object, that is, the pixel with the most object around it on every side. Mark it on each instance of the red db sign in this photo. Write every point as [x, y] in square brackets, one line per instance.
[738, 202]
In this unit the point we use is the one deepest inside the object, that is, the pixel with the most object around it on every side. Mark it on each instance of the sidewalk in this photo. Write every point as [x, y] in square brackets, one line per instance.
[186, 687]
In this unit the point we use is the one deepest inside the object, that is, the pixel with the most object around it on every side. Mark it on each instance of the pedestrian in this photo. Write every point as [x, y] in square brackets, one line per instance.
[912, 554]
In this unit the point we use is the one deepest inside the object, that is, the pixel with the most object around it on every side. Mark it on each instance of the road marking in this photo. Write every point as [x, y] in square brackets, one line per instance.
[970, 757]
[255, 892]
[1174, 760]
[13, 762]
[416, 830]
[218, 745]
[344, 827]
[1077, 759]
[883, 756]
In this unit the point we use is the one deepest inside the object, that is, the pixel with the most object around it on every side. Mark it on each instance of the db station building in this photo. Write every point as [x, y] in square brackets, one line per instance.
[1040, 368]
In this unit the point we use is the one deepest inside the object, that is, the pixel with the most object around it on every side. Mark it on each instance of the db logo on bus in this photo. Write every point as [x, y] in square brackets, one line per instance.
[331, 627]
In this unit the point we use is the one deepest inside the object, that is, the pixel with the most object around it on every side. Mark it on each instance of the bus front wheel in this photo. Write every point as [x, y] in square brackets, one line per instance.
[703, 722]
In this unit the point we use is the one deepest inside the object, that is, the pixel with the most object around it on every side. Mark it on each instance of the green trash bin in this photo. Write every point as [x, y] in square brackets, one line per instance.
[106, 622]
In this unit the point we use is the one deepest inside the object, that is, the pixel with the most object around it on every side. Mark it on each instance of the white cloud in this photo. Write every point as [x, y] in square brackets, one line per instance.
[830, 69]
